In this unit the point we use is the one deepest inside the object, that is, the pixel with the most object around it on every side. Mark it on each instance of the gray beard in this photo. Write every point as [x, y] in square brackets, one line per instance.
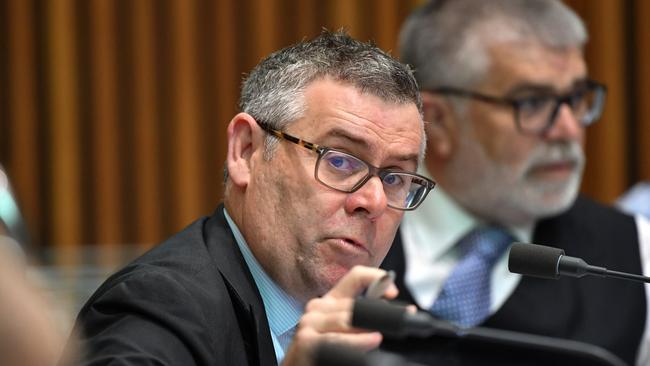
[509, 195]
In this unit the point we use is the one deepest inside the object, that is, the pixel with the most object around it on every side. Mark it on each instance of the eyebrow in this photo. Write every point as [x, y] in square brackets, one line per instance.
[532, 88]
[343, 134]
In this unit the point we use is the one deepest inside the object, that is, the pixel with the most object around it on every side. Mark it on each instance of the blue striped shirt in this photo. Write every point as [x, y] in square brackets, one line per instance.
[282, 310]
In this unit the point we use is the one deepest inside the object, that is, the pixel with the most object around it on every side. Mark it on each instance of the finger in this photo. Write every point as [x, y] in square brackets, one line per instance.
[328, 303]
[326, 322]
[329, 322]
[356, 280]
[391, 292]
[411, 309]
[363, 341]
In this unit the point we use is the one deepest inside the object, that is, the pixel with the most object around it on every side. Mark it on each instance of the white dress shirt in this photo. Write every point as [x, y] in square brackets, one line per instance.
[429, 235]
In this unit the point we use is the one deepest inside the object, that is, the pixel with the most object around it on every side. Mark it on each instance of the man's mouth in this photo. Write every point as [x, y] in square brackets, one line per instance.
[559, 170]
[350, 244]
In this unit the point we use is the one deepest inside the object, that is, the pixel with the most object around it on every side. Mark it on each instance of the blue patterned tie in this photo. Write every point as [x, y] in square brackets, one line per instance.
[465, 296]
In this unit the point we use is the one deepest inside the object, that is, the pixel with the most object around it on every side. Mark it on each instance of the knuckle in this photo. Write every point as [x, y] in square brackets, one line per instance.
[312, 305]
[342, 322]
[307, 320]
[303, 335]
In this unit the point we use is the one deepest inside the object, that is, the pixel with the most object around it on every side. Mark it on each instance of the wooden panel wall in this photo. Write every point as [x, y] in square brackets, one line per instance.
[641, 88]
[113, 112]
[606, 141]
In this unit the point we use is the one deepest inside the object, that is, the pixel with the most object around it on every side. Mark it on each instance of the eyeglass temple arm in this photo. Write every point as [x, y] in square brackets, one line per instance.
[285, 136]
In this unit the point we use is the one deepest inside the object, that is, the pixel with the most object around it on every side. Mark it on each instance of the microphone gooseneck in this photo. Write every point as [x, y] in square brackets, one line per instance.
[394, 320]
[549, 262]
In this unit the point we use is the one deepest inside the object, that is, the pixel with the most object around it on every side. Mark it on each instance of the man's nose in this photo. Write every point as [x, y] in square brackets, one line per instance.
[565, 126]
[370, 198]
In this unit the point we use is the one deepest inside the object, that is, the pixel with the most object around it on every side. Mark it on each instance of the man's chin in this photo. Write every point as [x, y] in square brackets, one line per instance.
[331, 274]
[552, 199]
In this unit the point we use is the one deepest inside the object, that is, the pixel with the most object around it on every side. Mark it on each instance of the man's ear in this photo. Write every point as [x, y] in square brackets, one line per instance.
[440, 125]
[242, 142]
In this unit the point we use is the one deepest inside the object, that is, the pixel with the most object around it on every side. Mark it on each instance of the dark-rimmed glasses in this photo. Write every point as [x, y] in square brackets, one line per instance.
[346, 173]
[537, 114]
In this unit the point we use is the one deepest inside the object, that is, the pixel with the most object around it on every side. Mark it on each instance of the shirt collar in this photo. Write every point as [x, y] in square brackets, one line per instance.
[282, 311]
[439, 222]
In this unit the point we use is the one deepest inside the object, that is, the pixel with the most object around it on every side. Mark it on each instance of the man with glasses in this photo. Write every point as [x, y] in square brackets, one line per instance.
[507, 99]
[320, 168]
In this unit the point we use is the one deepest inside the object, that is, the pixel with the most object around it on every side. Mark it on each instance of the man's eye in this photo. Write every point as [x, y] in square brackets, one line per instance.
[344, 163]
[339, 162]
[578, 97]
[535, 103]
[393, 180]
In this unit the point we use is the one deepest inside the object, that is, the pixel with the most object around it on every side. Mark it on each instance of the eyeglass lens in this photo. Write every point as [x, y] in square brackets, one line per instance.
[538, 113]
[347, 173]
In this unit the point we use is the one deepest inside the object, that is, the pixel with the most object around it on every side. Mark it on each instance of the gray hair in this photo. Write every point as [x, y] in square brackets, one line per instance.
[274, 90]
[446, 40]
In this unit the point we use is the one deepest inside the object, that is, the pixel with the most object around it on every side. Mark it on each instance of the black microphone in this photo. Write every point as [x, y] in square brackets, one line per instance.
[396, 321]
[549, 262]
[332, 354]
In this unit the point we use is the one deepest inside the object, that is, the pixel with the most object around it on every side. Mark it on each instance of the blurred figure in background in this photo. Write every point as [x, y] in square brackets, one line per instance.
[636, 200]
[10, 217]
[29, 333]
[507, 99]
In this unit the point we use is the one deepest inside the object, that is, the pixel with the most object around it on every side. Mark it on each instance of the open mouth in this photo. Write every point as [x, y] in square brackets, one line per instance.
[352, 242]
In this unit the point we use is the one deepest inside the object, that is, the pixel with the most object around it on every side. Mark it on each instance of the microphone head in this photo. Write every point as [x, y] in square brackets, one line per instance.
[395, 321]
[331, 354]
[378, 315]
[535, 260]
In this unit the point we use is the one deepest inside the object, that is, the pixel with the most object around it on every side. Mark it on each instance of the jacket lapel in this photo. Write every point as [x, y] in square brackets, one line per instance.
[244, 294]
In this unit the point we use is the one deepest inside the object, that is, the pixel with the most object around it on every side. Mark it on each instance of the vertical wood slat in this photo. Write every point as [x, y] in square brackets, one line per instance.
[605, 177]
[386, 23]
[22, 98]
[147, 163]
[226, 79]
[266, 27]
[642, 29]
[63, 97]
[187, 132]
[225, 30]
[305, 21]
[344, 14]
[106, 139]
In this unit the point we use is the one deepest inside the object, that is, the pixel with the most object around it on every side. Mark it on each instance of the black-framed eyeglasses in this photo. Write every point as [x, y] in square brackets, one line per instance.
[537, 114]
[347, 173]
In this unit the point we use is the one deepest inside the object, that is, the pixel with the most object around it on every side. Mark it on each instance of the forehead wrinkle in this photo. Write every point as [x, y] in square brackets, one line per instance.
[340, 133]
[392, 129]
[391, 132]
[375, 124]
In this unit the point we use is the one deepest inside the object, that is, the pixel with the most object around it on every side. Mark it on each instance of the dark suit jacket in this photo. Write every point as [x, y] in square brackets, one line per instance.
[189, 301]
[605, 312]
